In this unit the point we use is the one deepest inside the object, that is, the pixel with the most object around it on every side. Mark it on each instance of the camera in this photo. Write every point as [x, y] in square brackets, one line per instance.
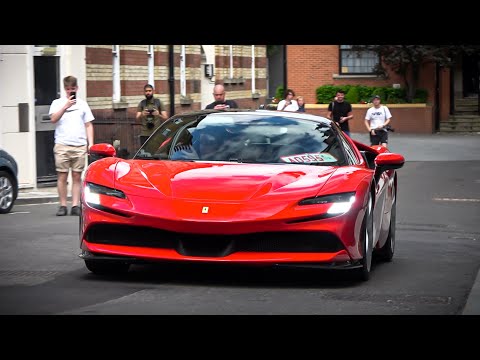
[74, 94]
[150, 123]
[389, 128]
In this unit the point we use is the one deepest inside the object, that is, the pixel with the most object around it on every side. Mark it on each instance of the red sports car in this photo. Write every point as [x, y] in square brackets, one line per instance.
[253, 187]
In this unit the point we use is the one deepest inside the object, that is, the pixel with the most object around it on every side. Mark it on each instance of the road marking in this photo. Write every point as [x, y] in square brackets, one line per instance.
[19, 212]
[455, 199]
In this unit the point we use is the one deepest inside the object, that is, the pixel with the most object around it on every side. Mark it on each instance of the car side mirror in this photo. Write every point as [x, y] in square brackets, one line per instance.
[99, 151]
[389, 161]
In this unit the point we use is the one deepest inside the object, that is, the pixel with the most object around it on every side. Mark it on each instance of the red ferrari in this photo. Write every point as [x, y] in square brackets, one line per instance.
[252, 187]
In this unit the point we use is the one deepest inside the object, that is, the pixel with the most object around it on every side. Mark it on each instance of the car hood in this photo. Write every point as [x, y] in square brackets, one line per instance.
[219, 181]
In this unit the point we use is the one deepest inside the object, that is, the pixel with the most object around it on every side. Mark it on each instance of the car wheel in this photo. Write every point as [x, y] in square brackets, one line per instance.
[106, 268]
[7, 192]
[363, 273]
[388, 249]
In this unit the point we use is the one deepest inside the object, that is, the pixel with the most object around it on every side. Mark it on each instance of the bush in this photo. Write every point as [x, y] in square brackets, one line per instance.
[355, 94]
[279, 93]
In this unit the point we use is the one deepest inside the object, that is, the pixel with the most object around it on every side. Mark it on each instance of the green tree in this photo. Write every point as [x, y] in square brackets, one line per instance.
[407, 60]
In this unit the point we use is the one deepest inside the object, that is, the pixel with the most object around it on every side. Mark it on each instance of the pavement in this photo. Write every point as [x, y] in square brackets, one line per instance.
[414, 147]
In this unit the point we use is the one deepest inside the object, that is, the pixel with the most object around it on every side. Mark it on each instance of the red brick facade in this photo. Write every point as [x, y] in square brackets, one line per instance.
[311, 66]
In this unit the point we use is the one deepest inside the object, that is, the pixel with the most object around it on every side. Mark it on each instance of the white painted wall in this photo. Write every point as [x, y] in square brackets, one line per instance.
[17, 86]
[208, 84]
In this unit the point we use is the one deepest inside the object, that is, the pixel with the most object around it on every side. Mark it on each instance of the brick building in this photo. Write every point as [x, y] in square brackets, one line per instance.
[111, 79]
[453, 96]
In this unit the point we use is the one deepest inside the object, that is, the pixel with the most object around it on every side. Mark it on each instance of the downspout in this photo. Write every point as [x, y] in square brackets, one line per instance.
[171, 78]
[253, 69]
[285, 83]
[437, 97]
[183, 82]
[231, 61]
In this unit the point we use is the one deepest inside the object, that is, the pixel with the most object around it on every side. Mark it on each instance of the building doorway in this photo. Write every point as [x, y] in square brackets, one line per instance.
[471, 75]
[47, 88]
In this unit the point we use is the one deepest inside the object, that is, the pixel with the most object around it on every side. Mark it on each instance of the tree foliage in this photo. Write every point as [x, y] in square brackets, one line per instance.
[407, 60]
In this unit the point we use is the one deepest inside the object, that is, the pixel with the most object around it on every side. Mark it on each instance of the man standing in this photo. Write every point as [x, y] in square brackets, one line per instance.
[152, 113]
[220, 103]
[73, 119]
[376, 120]
[340, 111]
[288, 104]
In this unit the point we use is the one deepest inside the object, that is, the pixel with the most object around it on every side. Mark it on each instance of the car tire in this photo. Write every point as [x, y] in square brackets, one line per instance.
[363, 273]
[388, 249]
[106, 268]
[7, 192]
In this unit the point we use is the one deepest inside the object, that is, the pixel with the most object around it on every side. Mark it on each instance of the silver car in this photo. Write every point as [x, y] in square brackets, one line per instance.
[8, 181]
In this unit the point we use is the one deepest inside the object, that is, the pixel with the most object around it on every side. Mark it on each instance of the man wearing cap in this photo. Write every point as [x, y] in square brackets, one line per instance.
[376, 120]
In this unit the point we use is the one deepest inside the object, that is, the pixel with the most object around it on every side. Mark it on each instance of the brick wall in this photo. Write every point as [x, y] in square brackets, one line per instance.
[119, 121]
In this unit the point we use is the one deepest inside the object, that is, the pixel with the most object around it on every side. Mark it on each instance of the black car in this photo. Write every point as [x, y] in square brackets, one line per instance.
[8, 181]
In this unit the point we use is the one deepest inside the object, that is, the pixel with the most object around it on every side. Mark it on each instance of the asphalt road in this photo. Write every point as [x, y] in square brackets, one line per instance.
[437, 259]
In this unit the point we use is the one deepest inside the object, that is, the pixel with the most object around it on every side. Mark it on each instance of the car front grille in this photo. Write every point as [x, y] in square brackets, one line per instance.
[214, 245]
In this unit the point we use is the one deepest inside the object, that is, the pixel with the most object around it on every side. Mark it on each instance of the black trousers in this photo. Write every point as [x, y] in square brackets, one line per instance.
[381, 136]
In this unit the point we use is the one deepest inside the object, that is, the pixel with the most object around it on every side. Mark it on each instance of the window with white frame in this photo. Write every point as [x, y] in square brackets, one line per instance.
[357, 63]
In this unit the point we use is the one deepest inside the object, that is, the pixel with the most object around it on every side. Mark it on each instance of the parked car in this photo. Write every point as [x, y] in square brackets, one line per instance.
[243, 187]
[8, 181]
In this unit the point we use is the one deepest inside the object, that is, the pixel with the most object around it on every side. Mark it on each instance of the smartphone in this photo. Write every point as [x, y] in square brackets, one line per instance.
[74, 94]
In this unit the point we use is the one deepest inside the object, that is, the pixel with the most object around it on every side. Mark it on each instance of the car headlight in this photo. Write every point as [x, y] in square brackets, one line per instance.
[93, 191]
[340, 203]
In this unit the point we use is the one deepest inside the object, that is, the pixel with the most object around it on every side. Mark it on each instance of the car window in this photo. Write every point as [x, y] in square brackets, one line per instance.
[247, 138]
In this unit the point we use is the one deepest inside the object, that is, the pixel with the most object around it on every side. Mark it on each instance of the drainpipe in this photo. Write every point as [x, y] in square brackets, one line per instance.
[437, 97]
[231, 61]
[183, 76]
[171, 78]
[253, 69]
[285, 84]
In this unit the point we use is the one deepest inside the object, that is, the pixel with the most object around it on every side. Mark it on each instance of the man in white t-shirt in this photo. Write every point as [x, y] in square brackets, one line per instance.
[288, 104]
[376, 120]
[73, 137]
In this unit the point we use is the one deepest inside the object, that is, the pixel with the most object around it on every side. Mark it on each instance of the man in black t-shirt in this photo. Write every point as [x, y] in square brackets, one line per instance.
[340, 111]
[220, 103]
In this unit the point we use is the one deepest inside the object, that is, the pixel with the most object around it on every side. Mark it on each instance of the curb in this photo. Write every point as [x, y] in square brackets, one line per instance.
[38, 200]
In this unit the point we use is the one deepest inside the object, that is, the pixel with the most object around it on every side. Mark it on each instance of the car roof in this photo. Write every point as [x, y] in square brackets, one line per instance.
[261, 112]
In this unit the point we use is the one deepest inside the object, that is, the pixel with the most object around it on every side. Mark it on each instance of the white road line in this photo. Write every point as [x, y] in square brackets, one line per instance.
[19, 212]
[455, 199]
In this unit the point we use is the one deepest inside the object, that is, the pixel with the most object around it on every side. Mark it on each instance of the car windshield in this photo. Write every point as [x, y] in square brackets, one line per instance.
[245, 138]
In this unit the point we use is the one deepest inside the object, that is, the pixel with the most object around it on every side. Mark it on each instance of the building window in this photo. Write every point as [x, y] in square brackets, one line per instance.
[358, 63]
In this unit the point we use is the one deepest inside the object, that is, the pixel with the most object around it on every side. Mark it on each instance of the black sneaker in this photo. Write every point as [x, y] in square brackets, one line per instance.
[62, 211]
[75, 211]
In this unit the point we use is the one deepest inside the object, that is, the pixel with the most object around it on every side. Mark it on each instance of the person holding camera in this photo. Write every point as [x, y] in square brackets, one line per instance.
[220, 103]
[152, 113]
[377, 122]
[340, 111]
[288, 104]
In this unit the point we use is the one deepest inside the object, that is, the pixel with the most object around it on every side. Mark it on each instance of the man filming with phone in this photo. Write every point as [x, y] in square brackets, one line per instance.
[220, 103]
[151, 111]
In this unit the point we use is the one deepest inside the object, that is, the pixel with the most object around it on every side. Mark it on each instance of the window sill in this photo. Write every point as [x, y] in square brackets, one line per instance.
[239, 80]
[353, 76]
[119, 105]
[185, 100]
